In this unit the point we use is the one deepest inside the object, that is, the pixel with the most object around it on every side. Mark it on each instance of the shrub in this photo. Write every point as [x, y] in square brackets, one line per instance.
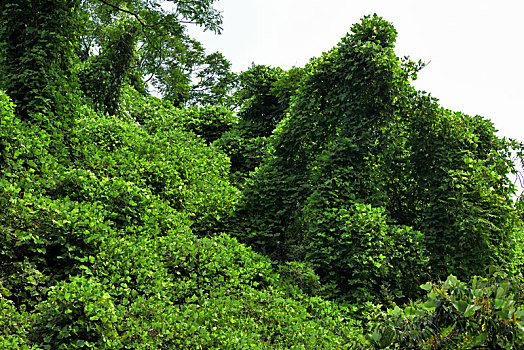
[174, 165]
[77, 314]
[209, 122]
[365, 258]
[15, 326]
[484, 313]
[245, 150]
[44, 238]
[221, 295]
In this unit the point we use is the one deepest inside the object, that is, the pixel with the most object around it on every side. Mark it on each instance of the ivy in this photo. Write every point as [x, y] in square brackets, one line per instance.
[359, 142]
[36, 39]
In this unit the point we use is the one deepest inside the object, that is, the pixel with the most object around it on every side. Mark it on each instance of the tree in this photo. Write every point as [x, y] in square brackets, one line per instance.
[262, 97]
[37, 53]
[109, 42]
[360, 148]
[103, 75]
[260, 108]
[163, 52]
[215, 81]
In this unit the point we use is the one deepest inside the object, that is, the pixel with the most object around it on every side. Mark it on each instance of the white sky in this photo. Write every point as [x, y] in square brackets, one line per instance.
[475, 47]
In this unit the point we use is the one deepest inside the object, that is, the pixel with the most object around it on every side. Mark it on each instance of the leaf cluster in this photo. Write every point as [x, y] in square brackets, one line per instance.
[484, 313]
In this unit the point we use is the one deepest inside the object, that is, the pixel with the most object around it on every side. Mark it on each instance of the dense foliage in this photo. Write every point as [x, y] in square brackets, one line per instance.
[368, 178]
[487, 313]
[100, 253]
[263, 96]
[270, 209]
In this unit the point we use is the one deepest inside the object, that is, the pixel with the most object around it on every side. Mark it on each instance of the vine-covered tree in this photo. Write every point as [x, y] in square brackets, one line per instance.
[164, 55]
[109, 42]
[36, 53]
[367, 175]
[262, 98]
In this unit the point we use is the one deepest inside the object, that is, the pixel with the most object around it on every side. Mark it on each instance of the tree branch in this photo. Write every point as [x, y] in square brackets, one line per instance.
[125, 11]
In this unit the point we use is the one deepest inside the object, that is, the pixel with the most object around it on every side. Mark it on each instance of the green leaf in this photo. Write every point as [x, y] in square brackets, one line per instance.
[426, 286]
[500, 293]
[499, 303]
[376, 336]
[480, 339]
[430, 304]
[410, 311]
[470, 310]
[460, 305]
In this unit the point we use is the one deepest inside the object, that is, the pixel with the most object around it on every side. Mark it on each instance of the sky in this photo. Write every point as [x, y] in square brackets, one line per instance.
[474, 49]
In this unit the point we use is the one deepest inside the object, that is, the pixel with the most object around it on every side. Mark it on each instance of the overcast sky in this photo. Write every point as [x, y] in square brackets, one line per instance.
[475, 48]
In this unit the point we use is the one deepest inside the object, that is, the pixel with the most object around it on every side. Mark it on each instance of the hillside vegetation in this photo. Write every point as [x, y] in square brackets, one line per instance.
[330, 206]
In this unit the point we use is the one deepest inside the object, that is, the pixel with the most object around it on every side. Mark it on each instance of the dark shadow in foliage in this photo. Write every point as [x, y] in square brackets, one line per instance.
[264, 95]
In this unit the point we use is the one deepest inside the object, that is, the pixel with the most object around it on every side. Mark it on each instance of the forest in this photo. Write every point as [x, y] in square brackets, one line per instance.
[152, 198]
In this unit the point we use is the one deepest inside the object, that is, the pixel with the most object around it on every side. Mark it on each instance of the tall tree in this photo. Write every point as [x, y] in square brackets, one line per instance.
[164, 55]
[103, 75]
[363, 164]
[41, 41]
[36, 41]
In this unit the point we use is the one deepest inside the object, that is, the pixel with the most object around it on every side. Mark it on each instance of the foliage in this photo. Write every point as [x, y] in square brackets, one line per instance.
[355, 250]
[209, 122]
[260, 108]
[76, 314]
[245, 151]
[175, 64]
[45, 241]
[263, 96]
[214, 81]
[361, 159]
[484, 313]
[102, 76]
[14, 327]
[464, 195]
[101, 253]
[37, 53]
[175, 166]
[49, 46]
[301, 277]
[209, 292]
[119, 215]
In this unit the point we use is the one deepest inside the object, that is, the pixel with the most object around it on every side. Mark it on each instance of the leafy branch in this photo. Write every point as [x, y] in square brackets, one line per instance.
[136, 15]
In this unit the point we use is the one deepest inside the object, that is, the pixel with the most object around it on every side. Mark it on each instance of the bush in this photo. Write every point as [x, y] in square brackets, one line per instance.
[77, 314]
[245, 150]
[484, 313]
[365, 258]
[15, 327]
[45, 241]
[174, 165]
[209, 122]
[219, 294]
[301, 277]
